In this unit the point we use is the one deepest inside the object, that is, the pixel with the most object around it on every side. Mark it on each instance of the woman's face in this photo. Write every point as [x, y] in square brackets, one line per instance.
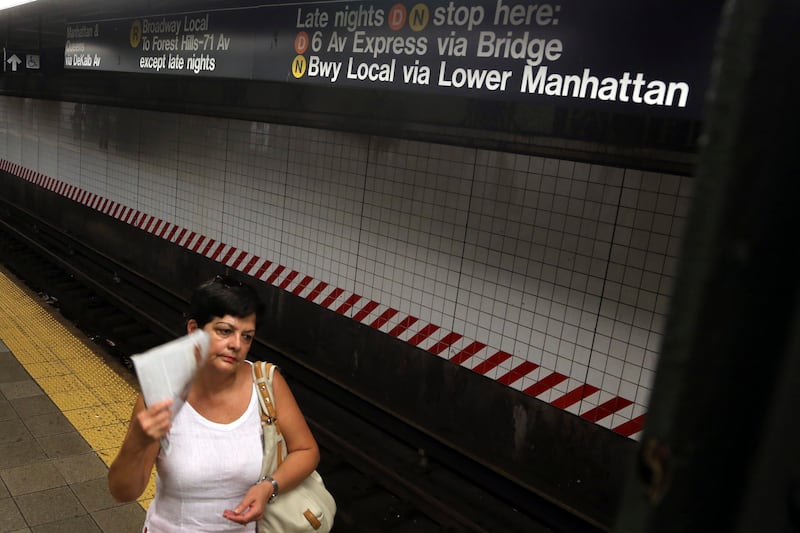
[230, 339]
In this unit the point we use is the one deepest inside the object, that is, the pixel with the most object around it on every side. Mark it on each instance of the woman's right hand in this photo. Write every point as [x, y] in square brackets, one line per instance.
[154, 422]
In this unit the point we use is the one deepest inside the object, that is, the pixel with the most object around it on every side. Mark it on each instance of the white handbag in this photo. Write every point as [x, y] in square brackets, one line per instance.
[307, 507]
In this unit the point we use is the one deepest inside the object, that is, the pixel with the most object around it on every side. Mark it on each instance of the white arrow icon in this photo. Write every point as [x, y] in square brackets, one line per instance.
[14, 60]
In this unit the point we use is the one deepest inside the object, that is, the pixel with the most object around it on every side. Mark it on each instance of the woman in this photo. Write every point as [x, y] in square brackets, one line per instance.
[208, 475]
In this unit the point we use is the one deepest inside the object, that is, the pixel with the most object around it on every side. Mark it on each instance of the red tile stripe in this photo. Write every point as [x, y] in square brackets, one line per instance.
[468, 352]
[574, 396]
[606, 409]
[331, 297]
[385, 317]
[302, 285]
[493, 361]
[197, 244]
[365, 311]
[208, 247]
[423, 334]
[239, 259]
[316, 291]
[402, 326]
[350, 302]
[444, 343]
[275, 274]
[517, 373]
[250, 264]
[631, 427]
[217, 251]
[260, 272]
[285, 283]
[547, 383]
[149, 223]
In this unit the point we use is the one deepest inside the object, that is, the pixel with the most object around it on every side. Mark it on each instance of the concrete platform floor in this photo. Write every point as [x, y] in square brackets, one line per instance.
[63, 411]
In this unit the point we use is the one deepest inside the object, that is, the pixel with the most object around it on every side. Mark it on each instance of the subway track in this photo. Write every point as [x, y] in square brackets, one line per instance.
[385, 475]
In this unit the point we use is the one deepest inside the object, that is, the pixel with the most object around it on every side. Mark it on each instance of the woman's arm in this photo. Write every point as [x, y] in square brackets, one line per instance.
[301, 459]
[130, 472]
[301, 447]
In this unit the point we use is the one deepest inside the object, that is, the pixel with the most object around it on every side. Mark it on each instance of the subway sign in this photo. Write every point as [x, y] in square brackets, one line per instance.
[634, 56]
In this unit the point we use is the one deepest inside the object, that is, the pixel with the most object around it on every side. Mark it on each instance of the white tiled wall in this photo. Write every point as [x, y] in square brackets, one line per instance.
[559, 271]
[128, 175]
[322, 204]
[72, 126]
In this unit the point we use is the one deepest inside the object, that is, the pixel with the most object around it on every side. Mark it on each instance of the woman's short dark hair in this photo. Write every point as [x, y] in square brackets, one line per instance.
[224, 295]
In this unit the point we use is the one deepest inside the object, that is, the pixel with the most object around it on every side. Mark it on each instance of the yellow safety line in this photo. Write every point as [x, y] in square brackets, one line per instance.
[76, 377]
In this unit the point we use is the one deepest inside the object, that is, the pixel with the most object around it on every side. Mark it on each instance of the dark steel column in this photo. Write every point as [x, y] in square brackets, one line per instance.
[720, 450]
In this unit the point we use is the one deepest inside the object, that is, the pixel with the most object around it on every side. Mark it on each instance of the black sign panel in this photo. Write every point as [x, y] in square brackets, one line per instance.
[634, 55]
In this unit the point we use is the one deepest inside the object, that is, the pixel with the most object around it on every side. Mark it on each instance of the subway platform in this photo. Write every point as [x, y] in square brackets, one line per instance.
[64, 409]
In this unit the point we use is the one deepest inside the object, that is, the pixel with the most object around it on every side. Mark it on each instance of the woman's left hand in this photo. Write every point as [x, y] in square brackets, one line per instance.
[252, 506]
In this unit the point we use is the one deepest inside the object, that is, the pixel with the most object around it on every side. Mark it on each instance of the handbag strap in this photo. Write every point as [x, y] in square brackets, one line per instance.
[263, 373]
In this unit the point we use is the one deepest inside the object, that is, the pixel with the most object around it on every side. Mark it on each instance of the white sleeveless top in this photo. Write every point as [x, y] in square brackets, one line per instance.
[206, 468]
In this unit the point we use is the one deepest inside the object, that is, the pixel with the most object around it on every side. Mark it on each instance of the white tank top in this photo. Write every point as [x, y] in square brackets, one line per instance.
[207, 468]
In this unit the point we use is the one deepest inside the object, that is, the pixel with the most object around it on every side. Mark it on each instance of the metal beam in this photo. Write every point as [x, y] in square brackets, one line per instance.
[719, 448]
